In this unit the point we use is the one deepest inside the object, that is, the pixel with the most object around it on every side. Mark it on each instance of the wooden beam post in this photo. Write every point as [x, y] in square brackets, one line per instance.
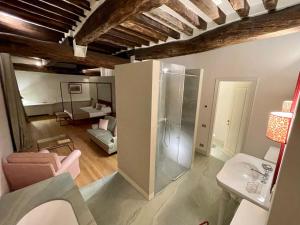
[241, 7]
[270, 4]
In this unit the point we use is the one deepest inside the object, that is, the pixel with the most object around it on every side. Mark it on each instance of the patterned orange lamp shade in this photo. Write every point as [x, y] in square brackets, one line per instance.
[278, 126]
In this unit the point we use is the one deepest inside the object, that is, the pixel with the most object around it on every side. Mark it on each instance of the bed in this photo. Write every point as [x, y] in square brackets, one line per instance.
[98, 92]
[80, 113]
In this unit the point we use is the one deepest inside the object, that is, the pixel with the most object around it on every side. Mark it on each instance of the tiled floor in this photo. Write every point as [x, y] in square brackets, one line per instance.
[190, 200]
[217, 152]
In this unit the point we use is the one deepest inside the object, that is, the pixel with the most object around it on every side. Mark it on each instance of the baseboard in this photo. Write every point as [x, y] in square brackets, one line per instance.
[136, 186]
[218, 142]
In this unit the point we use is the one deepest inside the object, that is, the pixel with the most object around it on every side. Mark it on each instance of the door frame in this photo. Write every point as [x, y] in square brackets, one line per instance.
[214, 106]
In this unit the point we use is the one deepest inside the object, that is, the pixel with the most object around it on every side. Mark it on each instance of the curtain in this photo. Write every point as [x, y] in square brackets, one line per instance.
[19, 126]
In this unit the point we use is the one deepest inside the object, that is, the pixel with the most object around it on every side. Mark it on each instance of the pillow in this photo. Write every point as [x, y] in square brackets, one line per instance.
[99, 106]
[115, 131]
[112, 123]
[103, 124]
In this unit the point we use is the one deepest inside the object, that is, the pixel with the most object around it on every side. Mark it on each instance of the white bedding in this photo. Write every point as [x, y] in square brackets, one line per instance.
[93, 112]
[88, 112]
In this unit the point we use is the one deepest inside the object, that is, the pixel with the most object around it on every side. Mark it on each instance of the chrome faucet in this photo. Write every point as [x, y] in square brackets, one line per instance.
[265, 176]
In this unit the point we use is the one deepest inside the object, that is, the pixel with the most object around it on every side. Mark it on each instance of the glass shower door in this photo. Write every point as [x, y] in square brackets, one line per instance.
[169, 129]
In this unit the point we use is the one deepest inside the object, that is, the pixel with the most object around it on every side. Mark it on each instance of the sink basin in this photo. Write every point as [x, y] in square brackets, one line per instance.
[240, 173]
[246, 171]
[58, 212]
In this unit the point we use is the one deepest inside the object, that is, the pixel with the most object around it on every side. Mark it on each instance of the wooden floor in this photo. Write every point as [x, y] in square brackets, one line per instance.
[95, 163]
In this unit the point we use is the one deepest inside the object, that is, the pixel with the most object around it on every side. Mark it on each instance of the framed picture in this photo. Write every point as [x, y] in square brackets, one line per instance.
[75, 88]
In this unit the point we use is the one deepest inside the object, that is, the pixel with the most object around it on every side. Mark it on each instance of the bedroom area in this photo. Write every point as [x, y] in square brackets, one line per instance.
[65, 112]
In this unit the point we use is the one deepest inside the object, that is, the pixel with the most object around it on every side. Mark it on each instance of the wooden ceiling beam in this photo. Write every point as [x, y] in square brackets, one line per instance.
[34, 18]
[270, 4]
[117, 41]
[104, 48]
[10, 24]
[149, 32]
[43, 9]
[241, 7]
[93, 73]
[147, 22]
[171, 21]
[81, 3]
[136, 33]
[187, 14]
[66, 6]
[109, 44]
[116, 37]
[110, 14]
[116, 33]
[27, 47]
[275, 23]
[211, 10]
[46, 69]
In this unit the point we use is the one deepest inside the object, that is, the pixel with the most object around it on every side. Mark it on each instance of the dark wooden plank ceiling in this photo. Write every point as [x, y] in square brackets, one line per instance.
[275, 23]
[118, 22]
[110, 14]
[44, 9]
[187, 14]
[211, 10]
[116, 25]
[27, 47]
[12, 25]
[171, 21]
[46, 20]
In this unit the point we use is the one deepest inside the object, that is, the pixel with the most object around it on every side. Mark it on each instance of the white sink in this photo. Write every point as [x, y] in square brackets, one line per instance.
[246, 171]
[239, 175]
[58, 212]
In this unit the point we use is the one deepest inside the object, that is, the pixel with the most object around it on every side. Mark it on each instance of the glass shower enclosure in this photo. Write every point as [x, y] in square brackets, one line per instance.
[177, 105]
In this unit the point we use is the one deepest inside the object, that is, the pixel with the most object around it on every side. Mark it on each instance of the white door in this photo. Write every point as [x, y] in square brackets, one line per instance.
[236, 121]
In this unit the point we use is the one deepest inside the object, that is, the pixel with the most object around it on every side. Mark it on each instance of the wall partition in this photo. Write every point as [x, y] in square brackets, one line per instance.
[156, 111]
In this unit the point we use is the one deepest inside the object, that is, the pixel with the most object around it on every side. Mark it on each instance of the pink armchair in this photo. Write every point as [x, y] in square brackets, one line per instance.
[23, 169]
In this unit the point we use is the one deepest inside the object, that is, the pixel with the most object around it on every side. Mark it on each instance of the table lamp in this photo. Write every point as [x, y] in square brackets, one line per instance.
[278, 130]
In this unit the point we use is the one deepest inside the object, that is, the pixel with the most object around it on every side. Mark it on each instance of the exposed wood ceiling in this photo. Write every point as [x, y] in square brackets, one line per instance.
[27, 47]
[153, 28]
[276, 23]
[57, 69]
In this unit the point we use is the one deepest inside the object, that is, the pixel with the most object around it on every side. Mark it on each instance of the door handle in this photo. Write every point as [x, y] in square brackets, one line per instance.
[228, 122]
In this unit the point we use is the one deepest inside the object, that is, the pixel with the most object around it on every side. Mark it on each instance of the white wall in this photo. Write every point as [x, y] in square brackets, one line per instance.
[137, 97]
[5, 142]
[45, 87]
[274, 62]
